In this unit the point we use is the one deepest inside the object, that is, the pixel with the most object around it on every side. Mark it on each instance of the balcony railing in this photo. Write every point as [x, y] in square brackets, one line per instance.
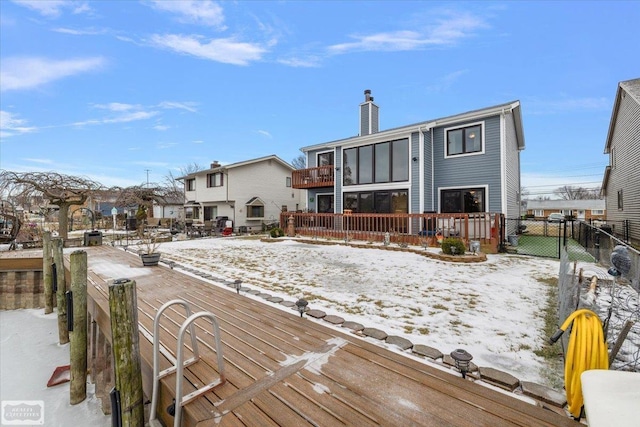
[321, 176]
[412, 229]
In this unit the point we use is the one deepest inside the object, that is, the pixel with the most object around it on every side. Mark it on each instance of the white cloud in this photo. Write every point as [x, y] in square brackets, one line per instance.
[445, 31]
[310, 62]
[446, 81]
[567, 104]
[265, 133]
[41, 161]
[86, 32]
[227, 50]
[54, 8]
[117, 106]
[161, 127]
[11, 125]
[189, 106]
[29, 72]
[202, 12]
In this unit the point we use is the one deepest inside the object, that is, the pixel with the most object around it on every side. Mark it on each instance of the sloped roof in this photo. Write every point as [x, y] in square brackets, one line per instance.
[514, 106]
[239, 164]
[630, 87]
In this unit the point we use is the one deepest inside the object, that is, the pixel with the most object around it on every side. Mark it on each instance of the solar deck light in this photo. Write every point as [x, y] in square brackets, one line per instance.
[462, 359]
[302, 305]
[238, 284]
[454, 250]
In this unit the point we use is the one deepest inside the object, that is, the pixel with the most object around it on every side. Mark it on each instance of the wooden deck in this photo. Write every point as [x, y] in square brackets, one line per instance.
[283, 370]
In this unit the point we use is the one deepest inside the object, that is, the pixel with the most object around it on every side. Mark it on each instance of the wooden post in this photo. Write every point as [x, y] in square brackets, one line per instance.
[47, 272]
[123, 310]
[63, 332]
[78, 347]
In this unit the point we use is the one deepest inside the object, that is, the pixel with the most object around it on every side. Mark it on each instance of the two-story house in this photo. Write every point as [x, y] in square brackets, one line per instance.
[249, 193]
[465, 163]
[621, 183]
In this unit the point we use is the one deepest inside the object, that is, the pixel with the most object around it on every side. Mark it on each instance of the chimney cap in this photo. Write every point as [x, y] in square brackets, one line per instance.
[366, 91]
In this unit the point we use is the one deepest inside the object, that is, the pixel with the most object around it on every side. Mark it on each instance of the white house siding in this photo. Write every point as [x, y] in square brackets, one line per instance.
[625, 174]
[266, 180]
[470, 170]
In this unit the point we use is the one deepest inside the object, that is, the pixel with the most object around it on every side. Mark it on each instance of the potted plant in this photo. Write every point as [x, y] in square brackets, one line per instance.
[148, 249]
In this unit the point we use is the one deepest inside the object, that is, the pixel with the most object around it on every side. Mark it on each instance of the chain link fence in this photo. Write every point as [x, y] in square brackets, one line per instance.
[616, 300]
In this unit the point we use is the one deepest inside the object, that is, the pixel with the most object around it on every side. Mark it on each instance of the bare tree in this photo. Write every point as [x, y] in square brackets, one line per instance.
[299, 162]
[569, 192]
[61, 190]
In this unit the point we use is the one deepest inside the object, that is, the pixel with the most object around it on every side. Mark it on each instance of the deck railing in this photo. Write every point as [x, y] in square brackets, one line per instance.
[321, 176]
[410, 229]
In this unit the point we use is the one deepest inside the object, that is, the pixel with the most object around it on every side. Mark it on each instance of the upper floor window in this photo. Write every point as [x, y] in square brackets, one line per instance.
[325, 159]
[287, 181]
[190, 184]
[215, 179]
[383, 162]
[464, 140]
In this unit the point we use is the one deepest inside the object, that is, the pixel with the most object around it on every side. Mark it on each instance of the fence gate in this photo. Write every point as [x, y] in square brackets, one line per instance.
[541, 238]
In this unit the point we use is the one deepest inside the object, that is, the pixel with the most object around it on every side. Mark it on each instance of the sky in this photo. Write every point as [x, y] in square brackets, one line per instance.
[127, 92]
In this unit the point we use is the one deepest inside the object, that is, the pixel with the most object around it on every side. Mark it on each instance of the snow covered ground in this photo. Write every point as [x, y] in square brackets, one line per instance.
[493, 309]
[29, 353]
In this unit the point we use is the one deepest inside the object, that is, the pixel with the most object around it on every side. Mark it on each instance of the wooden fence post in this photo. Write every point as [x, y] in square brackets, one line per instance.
[123, 308]
[78, 347]
[47, 272]
[58, 260]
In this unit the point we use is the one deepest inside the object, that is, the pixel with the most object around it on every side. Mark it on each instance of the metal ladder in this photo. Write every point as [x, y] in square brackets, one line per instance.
[178, 364]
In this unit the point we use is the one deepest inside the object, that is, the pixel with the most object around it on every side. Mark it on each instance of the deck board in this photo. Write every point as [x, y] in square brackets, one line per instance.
[282, 370]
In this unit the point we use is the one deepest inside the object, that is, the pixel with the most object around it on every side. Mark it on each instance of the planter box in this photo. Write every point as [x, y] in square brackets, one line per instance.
[149, 260]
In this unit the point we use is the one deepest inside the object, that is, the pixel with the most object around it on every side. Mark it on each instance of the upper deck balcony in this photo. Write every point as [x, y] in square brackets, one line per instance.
[322, 176]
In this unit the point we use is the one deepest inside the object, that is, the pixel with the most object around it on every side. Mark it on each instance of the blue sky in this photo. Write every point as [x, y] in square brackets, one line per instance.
[124, 90]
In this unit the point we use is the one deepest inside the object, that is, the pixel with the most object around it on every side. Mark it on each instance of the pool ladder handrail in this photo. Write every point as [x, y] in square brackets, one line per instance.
[178, 364]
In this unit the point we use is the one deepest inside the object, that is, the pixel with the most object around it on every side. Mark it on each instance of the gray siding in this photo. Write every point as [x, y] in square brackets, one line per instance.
[429, 201]
[512, 168]
[471, 171]
[625, 175]
[364, 119]
[414, 190]
[337, 197]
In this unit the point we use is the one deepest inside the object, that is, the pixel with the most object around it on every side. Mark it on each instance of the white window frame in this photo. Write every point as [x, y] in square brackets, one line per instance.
[466, 125]
[597, 211]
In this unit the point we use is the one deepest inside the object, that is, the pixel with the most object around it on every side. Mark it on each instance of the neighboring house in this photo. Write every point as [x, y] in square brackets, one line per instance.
[464, 163]
[249, 193]
[583, 210]
[621, 183]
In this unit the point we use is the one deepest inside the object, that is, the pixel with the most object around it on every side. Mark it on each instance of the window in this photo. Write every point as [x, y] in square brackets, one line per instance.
[325, 159]
[538, 212]
[284, 208]
[255, 208]
[464, 200]
[287, 181]
[215, 179]
[255, 211]
[597, 211]
[395, 201]
[379, 163]
[464, 141]
[620, 204]
[191, 184]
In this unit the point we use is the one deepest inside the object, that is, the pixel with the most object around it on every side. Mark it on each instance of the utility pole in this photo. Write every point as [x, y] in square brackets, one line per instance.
[147, 177]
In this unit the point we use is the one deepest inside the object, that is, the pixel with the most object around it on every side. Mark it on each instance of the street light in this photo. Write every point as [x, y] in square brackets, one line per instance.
[462, 359]
[302, 305]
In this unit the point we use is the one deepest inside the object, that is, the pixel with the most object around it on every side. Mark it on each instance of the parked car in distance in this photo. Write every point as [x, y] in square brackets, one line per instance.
[555, 217]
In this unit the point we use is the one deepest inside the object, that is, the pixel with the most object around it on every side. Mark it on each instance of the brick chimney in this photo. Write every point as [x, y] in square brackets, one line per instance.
[368, 115]
[215, 164]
